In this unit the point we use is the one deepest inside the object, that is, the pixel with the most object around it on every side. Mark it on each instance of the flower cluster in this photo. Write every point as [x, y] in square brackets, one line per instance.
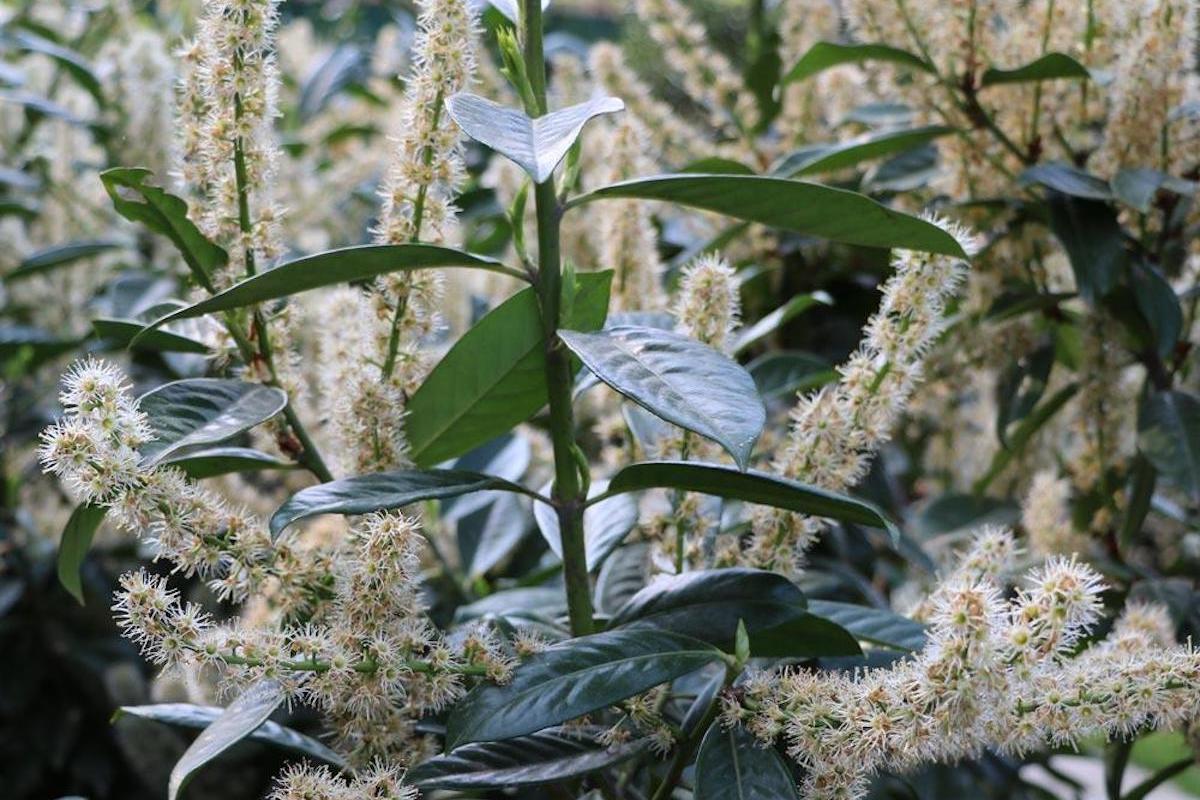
[709, 306]
[994, 673]
[835, 431]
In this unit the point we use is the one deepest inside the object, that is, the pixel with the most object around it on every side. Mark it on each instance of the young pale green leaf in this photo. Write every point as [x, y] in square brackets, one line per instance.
[605, 524]
[73, 547]
[384, 491]
[752, 487]
[242, 717]
[1169, 438]
[535, 145]
[60, 255]
[679, 380]
[1051, 66]
[823, 55]
[494, 377]
[877, 626]
[132, 334]
[789, 371]
[186, 715]
[710, 604]
[347, 265]
[776, 319]
[551, 755]
[166, 214]
[733, 765]
[201, 411]
[809, 208]
[841, 155]
[208, 462]
[574, 678]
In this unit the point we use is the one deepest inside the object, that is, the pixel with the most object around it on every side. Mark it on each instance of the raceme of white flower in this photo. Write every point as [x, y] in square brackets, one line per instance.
[375, 362]
[709, 305]
[307, 782]
[836, 430]
[1046, 517]
[366, 654]
[994, 674]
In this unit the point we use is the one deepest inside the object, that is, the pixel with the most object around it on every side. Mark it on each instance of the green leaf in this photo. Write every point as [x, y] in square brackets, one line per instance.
[778, 318]
[1138, 187]
[36, 104]
[1091, 235]
[679, 380]
[1142, 480]
[1023, 433]
[1021, 386]
[1068, 180]
[489, 534]
[535, 145]
[166, 214]
[852, 152]
[547, 756]
[733, 765]
[507, 456]
[574, 678]
[875, 625]
[752, 487]
[710, 604]
[347, 265]
[494, 377]
[186, 715]
[384, 491]
[823, 55]
[75, 64]
[1169, 438]
[40, 345]
[202, 411]
[789, 371]
[59, 256]
[717, 165]
[605, 524]
[954, 513]
[511, 9]
[622, 576]
[124, 332]
[1049, 67]
[242, 717]
[208, 462]
[1159, 306]
[73, 547]
[809, 208]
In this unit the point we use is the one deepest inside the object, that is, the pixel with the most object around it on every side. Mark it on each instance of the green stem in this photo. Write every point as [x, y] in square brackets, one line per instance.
[568, 497]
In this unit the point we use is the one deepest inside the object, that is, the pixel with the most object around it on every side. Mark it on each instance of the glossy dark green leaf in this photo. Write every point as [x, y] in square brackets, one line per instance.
[383, 491]
[1021, 386]
[186, 715]
[166, 214]
[333, 267]
[208, 462]
[789, 371]
[679, 380]
[506, 456]
[201, 411]
[773, 321]
[61, 255]
[1011, 305]
[875, 625]
[809, 208]
[1091, 235]
[1138, 187]
[124, 332]
[535, 145]
[605, 524]
[716, 165]
[1049, 67]
[73, 547]
[851, 152]
[489, 534]
[1159, 306]
[823, 55]
[494, 376]
[709, 604]
[623, 575]
[543, 757]
[954, 512]
[542, 601]
[574, 678]
[511, 9]
[1169, 438]
[732, 764]
[1068, 180]
[752, 487]
[242, 717]
[1142, 480]
[1024, 431]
